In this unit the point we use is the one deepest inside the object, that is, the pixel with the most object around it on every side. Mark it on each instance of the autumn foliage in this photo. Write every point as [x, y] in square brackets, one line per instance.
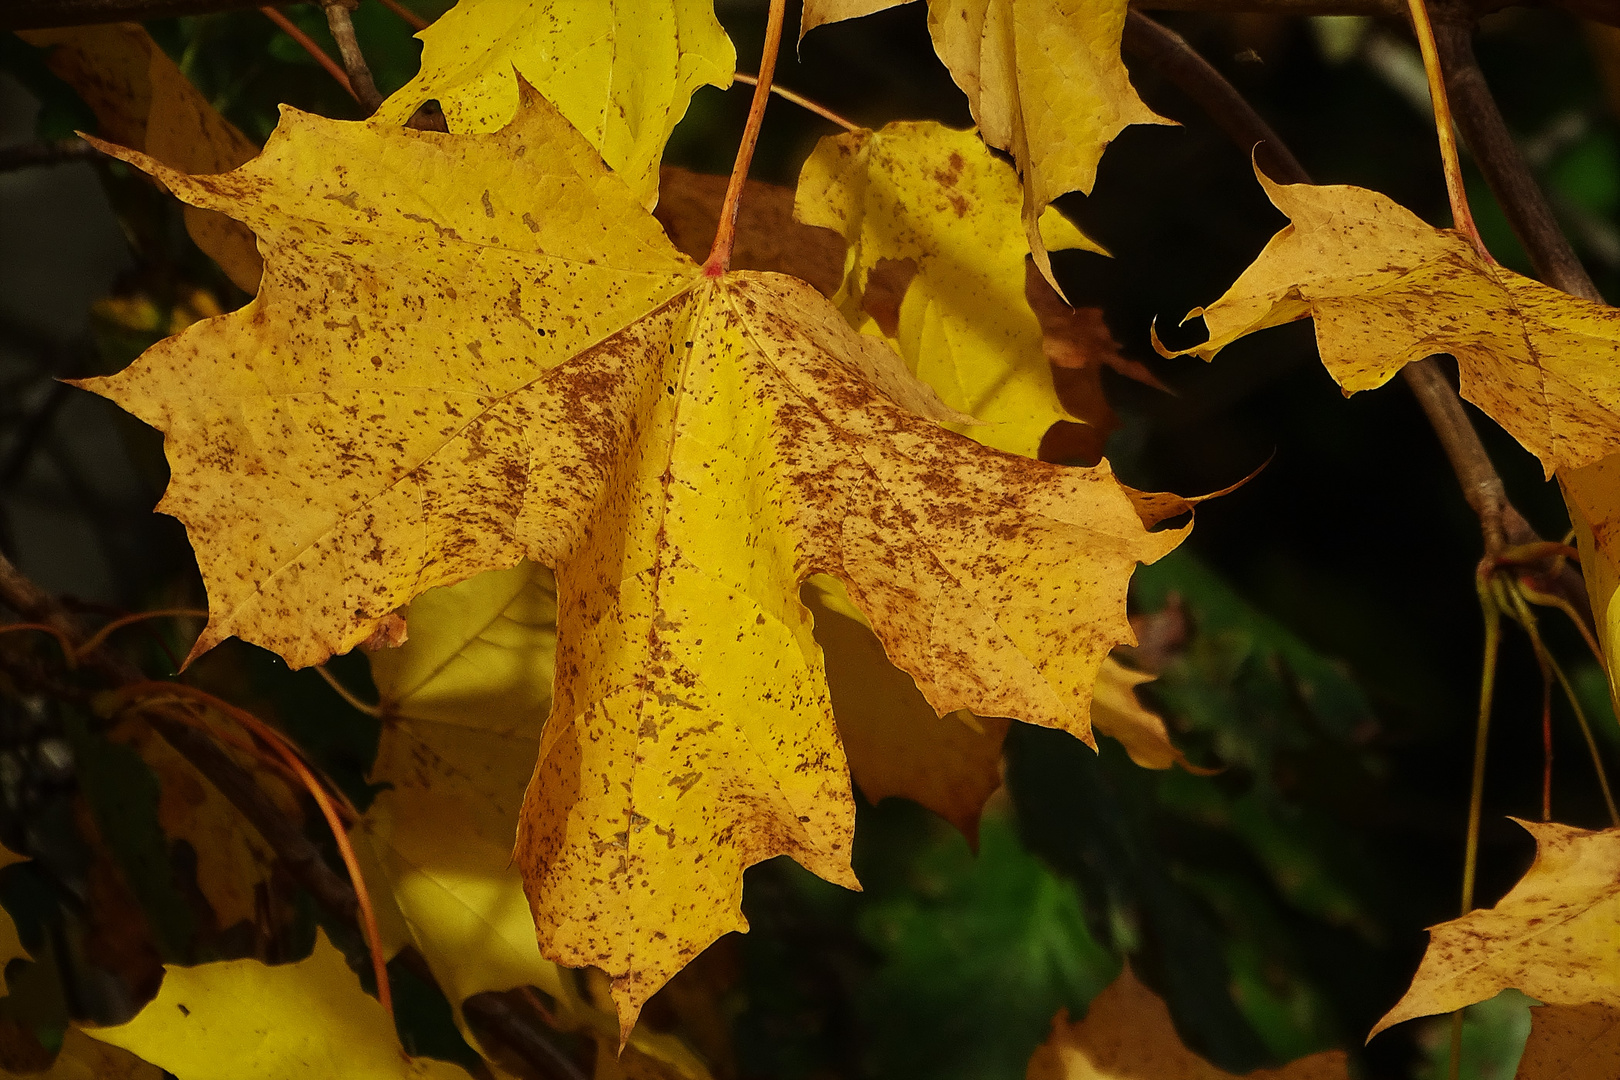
[666, 559]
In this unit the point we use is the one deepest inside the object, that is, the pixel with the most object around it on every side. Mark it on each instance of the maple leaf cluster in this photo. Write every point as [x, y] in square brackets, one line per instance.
[669, 555]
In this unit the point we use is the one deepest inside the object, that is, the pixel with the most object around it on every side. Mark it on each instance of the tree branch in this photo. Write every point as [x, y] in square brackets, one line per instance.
[1501, 524]
[1497, 154]
[354, 61]
[33, 14]
[506, 1016]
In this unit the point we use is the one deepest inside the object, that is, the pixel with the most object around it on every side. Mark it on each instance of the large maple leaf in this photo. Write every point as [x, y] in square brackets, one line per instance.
[473, 348]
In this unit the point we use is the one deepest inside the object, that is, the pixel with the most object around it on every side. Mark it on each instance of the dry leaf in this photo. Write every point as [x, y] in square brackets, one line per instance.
[1572, 1042]
[1127, 1035]
[1117, 713]
[243, 1020]
[1555, 935]
[11, 946]
[621, 71]
[936, 199]
[233, 860]
[83, 1058]
[1044, 80]
[1592, 495]
[141, 100]
[1078, 345]
[768, 238]
[1386, 288]
[685, 451]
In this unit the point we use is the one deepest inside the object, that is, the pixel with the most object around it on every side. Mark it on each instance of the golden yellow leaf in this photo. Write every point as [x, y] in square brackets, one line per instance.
[1592, 494]
[621, 71]
[1555, 935]
[1572, 1042]
[243, 1020]
[142, 100]
[83, 1058]
[1118, 713]
[552, 380]
[1127, 1035]
[11, 946]
[1386, 288]
[1044, 80]
[463, 702]
[923, 192]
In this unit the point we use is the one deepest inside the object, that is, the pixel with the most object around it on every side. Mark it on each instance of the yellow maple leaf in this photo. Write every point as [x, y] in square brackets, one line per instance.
[922, 192]
[1127, 1035]
[244, 1020]
[463, 701]
[83, 1058]
[621, 71]
[142, 100]
[434, 381]
[1554, 936]
[1592, 495]
[1043, 78]
[1386, 288]
[1572, 1042]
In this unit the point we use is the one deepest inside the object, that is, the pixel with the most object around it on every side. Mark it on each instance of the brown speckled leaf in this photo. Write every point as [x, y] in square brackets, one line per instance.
[469, 349]
[1572, 1042]
[1385, 288]
[1127, 1035]
[1554, 936]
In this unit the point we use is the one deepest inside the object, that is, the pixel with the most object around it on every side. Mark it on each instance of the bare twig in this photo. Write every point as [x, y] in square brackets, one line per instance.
[36, 155]
[800, 100]
[354, 61]
[1497, 154]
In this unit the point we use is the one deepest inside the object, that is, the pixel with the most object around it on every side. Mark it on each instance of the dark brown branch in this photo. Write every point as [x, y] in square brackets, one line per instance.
[354, 61]
[1501, 524]
[32, 14]
[1497, 154]
[507, 1017]
[39, 155]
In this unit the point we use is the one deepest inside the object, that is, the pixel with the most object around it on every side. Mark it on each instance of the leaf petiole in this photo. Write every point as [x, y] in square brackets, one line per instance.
[719, 260]
[1462, 217]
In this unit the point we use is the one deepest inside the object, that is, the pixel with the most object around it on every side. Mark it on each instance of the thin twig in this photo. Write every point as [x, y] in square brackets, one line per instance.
[36, 155]
[1462, 217]
[354, 61]
[305, 42]
[719, 260]
[800, 100]
[96, 640]
[1497, 155]
[343, 692]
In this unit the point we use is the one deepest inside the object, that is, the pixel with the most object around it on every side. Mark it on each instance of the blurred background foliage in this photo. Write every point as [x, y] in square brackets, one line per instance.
[1317, 637]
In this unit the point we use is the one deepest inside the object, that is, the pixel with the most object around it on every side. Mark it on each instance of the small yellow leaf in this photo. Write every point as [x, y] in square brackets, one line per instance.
[1592, 494]
[1044, 80]
[1572, 1042]
[923, 192]
[1386, 288]
[83, 1058]
[243, 1020]
[142, 100]
[1555, 935]
[1127, 1035]
[509, 360]
[1118, 713]
[621, 71]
